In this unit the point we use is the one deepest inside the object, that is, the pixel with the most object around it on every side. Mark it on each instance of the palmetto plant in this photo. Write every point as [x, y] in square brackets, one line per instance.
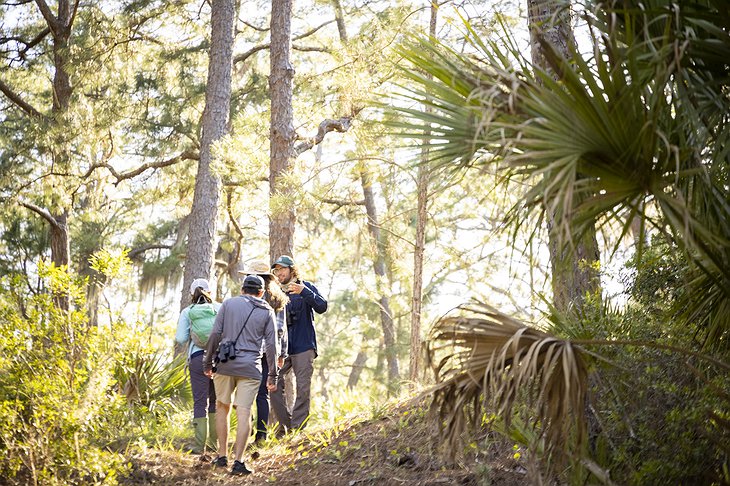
[487, 353]
[636, 130]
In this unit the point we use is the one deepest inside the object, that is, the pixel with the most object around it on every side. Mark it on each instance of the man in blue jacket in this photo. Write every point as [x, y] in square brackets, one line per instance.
[304, 301]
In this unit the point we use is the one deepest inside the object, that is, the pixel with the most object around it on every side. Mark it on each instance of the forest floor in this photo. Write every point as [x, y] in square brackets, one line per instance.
[400, 447]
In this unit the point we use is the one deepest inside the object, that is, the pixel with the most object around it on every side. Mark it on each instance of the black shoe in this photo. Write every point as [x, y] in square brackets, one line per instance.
[221, 461]
[240, 469]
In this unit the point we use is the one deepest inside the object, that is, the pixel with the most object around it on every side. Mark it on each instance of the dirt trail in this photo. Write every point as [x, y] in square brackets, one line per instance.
[399, 449]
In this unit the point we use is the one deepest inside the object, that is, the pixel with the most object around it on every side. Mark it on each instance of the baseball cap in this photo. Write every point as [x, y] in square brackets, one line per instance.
[253, 282]
[200, 283]
[284, 261]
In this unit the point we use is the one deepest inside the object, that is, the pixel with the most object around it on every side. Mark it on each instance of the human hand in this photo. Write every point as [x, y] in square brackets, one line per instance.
[208, 373]
[280, 362]
[271, 383]
[295, 288]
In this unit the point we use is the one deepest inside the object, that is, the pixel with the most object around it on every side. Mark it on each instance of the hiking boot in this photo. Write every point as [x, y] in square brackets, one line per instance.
[221, 461]
[240, 469]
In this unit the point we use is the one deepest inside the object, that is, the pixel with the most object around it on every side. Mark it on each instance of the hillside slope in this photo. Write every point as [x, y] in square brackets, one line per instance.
[399, 448]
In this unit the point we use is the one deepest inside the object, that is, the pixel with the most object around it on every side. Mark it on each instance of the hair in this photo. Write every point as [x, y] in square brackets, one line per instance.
[199, 297]
[250, 290]
[275, 297]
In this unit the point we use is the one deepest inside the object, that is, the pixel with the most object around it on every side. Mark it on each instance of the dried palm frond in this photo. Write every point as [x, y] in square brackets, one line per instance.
[486, 356]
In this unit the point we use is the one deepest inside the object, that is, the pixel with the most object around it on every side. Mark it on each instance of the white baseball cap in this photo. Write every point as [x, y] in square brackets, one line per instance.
[200, 283]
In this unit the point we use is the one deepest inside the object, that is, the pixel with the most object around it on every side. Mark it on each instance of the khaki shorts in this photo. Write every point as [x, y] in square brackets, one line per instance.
[246, 390]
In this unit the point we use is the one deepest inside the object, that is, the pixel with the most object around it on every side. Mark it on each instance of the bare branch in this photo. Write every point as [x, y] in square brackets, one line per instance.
[339, 125]
[187, 155]
[43, 212]
[51, 19]
[297, 47]
[19, 102]
[266, 45]
[341, 202]
[234, 221]
[250, 52]
[35, 40]
[311, 31]
[232, 183]
[135, 252]
[255, 27]
[73, 14]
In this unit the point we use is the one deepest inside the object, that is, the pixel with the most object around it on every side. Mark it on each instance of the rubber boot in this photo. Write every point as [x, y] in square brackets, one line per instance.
[212, 442]
[201, 432]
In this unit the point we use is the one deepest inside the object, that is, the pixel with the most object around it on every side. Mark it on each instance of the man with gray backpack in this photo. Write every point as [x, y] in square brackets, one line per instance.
[193, 329]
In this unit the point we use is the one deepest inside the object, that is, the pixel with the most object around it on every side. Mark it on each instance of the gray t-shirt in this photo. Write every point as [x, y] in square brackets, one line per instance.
[261, 325]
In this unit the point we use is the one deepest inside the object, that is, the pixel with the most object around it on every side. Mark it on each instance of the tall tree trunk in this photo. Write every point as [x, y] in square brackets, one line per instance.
[282, 135]
[204, 212]
[340, 20]
[420, 244]
[574, 272]
[60, 27]
[383, 288]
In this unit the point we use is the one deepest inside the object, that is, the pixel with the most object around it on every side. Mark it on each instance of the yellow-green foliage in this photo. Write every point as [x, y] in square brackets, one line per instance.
[71, 392]
[53, 379]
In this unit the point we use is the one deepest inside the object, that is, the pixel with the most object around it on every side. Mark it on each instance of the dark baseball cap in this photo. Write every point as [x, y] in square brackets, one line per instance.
[253, 282]
[284, 261]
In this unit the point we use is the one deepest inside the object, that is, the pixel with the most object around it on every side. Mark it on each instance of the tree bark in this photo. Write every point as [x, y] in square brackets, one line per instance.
[357, 368]
[419, 249]
[204, 212]
[383, 287]
[574, 269]
[60, 27]
[340, 19]
[282, 135]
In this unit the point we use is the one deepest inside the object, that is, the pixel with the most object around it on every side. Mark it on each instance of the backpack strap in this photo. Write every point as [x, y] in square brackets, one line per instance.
[244, 325]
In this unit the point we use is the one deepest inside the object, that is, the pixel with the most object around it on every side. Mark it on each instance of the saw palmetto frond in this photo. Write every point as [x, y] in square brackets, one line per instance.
[487, 357]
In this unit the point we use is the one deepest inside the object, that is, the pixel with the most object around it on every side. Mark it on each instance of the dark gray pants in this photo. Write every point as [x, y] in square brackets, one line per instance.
[302, 365]
[203, 389]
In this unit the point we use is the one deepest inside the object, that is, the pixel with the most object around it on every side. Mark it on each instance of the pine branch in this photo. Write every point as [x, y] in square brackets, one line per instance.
[311, 31]
[43, 212]
[135, 252]
[339, 125]
[51, 19]
[300, 48]
[187, 155]
[341, 202]
[266, 45]
[19, 102]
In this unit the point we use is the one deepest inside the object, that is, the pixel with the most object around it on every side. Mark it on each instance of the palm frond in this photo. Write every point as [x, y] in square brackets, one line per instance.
[640, 125]
[486, 356]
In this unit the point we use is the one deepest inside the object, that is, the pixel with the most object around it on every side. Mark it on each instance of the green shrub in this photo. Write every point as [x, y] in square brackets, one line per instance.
[52, 390]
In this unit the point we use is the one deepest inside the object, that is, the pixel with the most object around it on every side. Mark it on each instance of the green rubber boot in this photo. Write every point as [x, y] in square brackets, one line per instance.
[212, 442]
[201, 433]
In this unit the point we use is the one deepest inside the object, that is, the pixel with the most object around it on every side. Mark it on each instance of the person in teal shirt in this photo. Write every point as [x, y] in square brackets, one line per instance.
[204, 398]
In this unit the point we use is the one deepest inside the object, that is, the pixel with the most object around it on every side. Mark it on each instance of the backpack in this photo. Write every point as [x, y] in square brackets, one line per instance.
[202, 317]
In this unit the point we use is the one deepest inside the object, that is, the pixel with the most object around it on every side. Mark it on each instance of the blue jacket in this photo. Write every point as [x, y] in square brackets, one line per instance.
[300, 318]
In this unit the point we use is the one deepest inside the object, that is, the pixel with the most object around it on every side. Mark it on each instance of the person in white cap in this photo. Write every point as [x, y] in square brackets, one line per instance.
[194, 321]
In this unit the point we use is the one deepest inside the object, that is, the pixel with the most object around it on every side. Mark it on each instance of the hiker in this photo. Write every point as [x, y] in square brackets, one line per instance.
[304, 300]
[242, 323]
[277, 299]
[193, 328]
